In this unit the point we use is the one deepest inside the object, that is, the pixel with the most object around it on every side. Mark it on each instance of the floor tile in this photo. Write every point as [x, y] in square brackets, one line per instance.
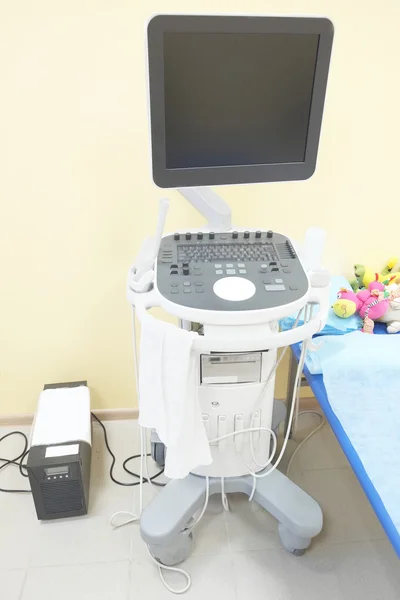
[11, 583]
[211, 536]
[365, 573]
[321, 451]
[384, 552]
[80, 582]
[79, 540]
[236, 555]
[281, 576]
[261, 574]
[348, 516]
[211, 576]
[18, 523]
[250, 527]
[106, 500]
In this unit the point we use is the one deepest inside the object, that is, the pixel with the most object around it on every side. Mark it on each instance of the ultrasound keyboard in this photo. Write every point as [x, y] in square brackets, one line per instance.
[190, 264]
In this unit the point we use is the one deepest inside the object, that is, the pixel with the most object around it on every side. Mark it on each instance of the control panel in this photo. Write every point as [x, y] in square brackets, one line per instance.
[246, 270]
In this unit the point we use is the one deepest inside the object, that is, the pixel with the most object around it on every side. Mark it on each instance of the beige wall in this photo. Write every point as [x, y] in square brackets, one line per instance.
[76, 195]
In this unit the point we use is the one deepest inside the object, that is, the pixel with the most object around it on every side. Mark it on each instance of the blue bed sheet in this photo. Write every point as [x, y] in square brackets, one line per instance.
[317, 385]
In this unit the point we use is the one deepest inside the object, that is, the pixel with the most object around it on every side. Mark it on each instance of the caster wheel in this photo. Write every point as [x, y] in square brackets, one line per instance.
[158, 453]
[176, 552]
[293, 543]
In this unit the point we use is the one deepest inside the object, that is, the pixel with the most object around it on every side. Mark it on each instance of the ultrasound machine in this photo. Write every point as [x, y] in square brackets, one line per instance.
[233, 100]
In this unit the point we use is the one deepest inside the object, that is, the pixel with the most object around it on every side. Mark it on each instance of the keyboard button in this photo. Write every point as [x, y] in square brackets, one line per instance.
[175, 284]
[174, 272]
[187, 290]
[199, 290]
[198, 271]
[275, 270]
[241, 265]
[218, 266]
[231, 271]
[276, 281]
[286, 270]
[229, 265]
[219, 272]
[174, 291]
[283, 264]
[274, 288]
[199, 284]
[242, 271]
[186, 283]
[293, 287]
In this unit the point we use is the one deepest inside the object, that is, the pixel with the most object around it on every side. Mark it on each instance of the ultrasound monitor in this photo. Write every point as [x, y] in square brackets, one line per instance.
[236, 99]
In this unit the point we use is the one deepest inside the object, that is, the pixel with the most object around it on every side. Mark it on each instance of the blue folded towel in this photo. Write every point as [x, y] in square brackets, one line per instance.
[335, 325]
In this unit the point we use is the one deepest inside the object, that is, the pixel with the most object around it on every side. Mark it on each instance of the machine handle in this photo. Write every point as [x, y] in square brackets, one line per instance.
[246, 342]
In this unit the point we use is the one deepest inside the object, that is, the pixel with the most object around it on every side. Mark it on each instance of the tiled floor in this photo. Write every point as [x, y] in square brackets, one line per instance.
[236, 555]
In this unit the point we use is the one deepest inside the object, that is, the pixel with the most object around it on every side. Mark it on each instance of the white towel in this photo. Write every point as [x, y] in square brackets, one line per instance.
[168, 389]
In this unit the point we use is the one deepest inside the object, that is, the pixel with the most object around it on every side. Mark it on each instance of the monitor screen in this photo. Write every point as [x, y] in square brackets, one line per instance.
[236, 99]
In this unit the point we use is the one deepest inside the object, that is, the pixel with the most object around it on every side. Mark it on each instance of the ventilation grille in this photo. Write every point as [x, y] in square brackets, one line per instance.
[62, 496]
[285, 250]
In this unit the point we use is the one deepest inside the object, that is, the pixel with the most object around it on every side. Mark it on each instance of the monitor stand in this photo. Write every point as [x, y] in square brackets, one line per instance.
[209, 204]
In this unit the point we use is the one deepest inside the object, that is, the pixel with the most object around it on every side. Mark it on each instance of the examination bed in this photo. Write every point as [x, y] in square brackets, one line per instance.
[383, 509]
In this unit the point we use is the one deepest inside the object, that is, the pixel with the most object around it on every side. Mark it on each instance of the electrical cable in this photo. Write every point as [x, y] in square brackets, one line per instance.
[135, 518]
[307, 316]
[132, 517]
[174, 570]
[111, 472]
[16, 461]
[267, 382]
[224, 497]
[185, 574]
[286, 439]
[310, 435]
[290, 421]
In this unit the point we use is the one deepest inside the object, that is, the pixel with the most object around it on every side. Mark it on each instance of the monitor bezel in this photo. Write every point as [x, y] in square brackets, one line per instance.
[235, 174]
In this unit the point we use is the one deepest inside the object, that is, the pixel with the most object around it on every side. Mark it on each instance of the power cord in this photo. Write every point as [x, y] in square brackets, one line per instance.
[309, 436]
[126, 461]
[17, 461]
